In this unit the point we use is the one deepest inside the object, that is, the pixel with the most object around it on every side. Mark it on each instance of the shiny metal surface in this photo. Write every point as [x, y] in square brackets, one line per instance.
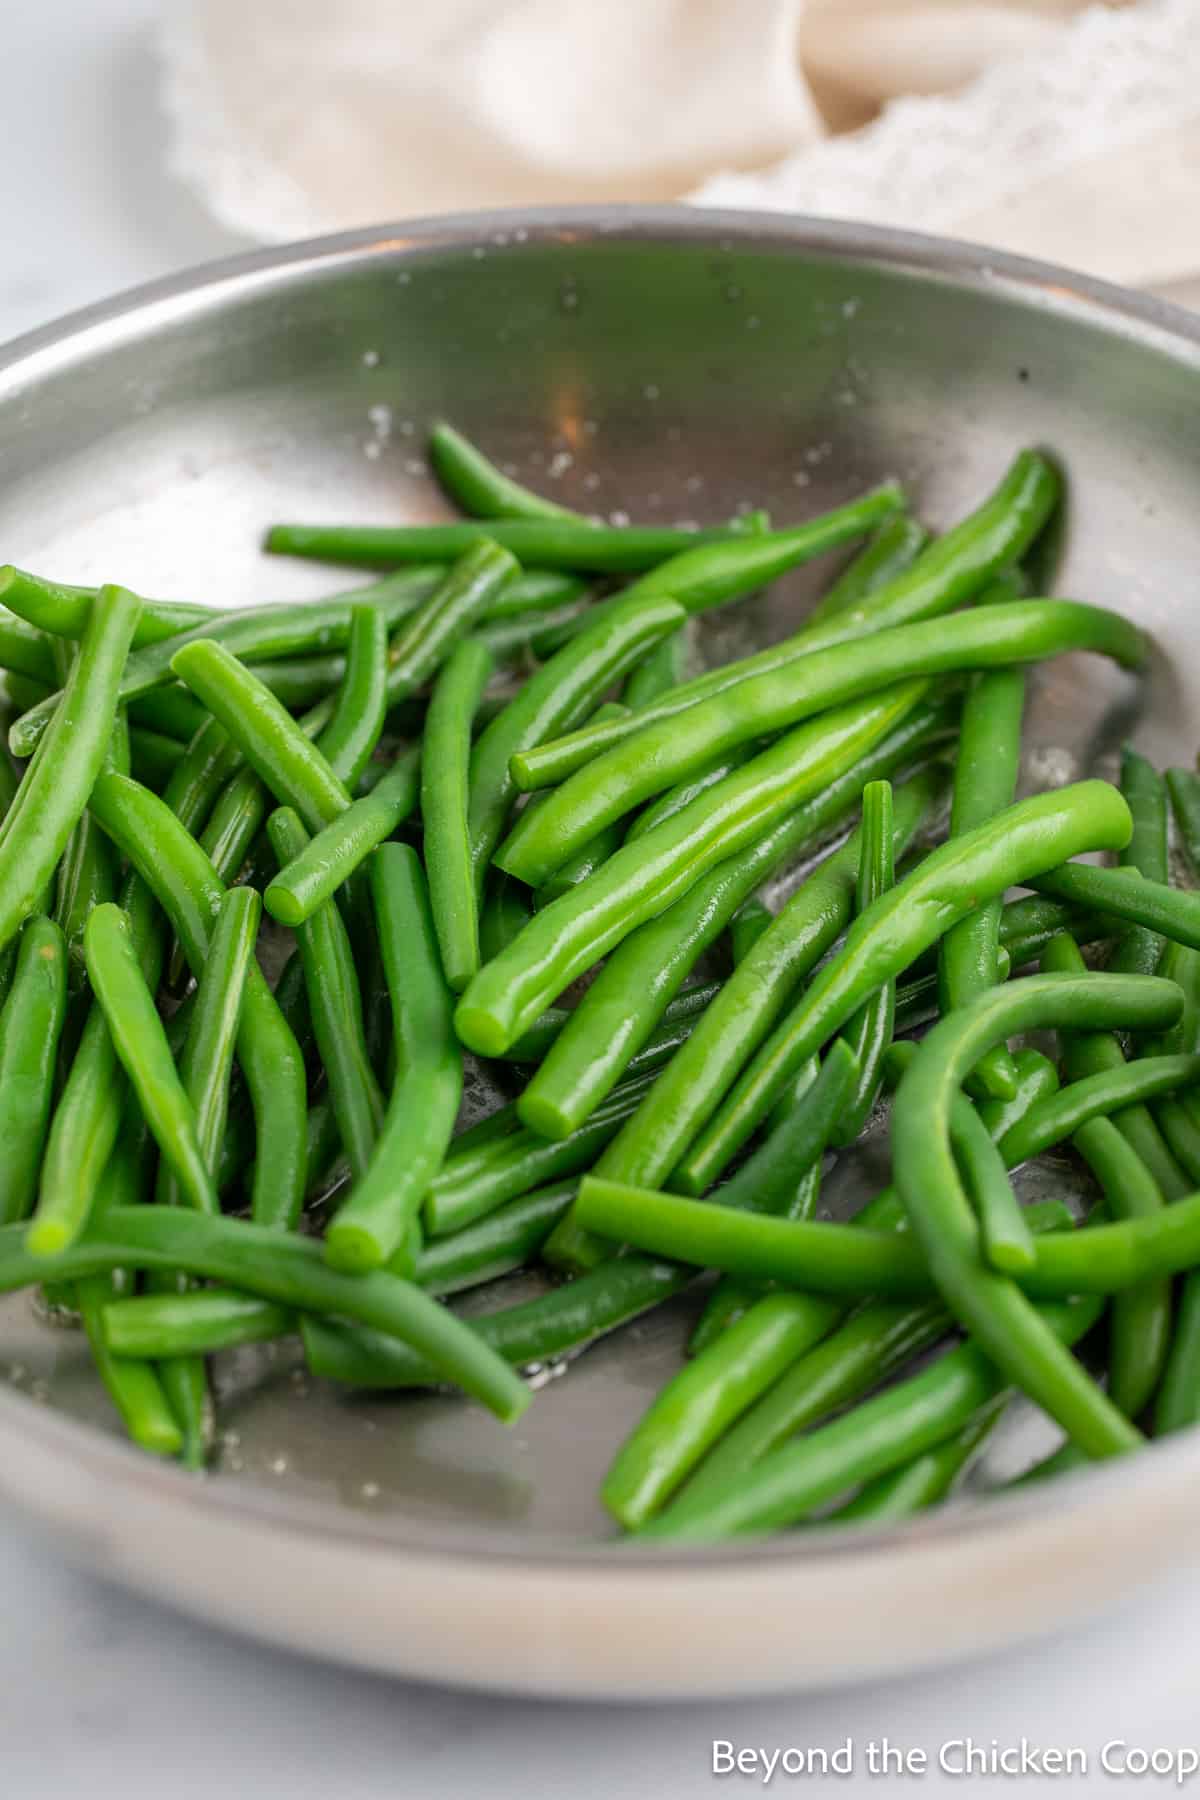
[665, 365]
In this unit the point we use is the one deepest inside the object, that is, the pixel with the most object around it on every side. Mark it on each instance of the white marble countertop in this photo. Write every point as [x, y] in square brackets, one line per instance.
[102, 1692]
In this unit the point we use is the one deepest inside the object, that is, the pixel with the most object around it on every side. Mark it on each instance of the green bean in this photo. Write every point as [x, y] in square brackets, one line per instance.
[1183, 786]
[25, 653]
[335, 1008]
[54, 792]
[985, 781]
[371, 1223]
[585, 862]
[135, 1388]
[141, 1044]
[868, 1347]
[299, 681]
[256, 633]
[505, 913]
[868, 1032]
[682, 794]
[425, 641]
[731, 1299]
[332, 856]
[538, 1331]
[1172, 912]
[478, 485]
[1003, 1228]
[1137, 951]
[198, 1323]
[206, 1062]
[86, 1121]
[530, 592]
[348, 741]
[86, 878]
[659, 671]
[748, 924]
[695, 1408]
[283, 1267]
[834, 1259]
[1096, 1096]
[170, 711]
[1178, 1402]
[155, 758]
[925, 1481]
[678, 1018]
[1093, 1053]
[177, 871]
[63, 611]
[234, 824]
[948, 572]
[1181, 965]
[210, 760]
[274, 746]
[665, 752]
[445, 760]
[30, 1026]
[884, 1433]
[565, 544]
[556, 697]
[468, 1188]
[519, 636]
[627, 996]
[958, 876]
[642, 879]
[891, 551]
[990, 1306]
[495, 1245]
[1140, 1324]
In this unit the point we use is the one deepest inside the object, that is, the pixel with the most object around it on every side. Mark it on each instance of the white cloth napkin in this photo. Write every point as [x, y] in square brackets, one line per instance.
[1037, 125]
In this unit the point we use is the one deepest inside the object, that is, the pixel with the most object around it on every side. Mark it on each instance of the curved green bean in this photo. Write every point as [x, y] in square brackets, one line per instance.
[479, 487]
[989, 1305]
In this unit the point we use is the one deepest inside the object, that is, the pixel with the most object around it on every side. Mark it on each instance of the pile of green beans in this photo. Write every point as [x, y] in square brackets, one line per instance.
[705, 929]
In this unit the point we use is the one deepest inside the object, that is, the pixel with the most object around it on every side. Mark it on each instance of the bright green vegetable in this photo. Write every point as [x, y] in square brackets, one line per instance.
[348, 741]
[985, 782]
[950, 571]
[445, 762]
[54, 792]
[643, 878]
[946, 887]
[868, 1032]
[335, 1008]
[181, 877]
[30, 1026]
[371, 1224]
[662, 753]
